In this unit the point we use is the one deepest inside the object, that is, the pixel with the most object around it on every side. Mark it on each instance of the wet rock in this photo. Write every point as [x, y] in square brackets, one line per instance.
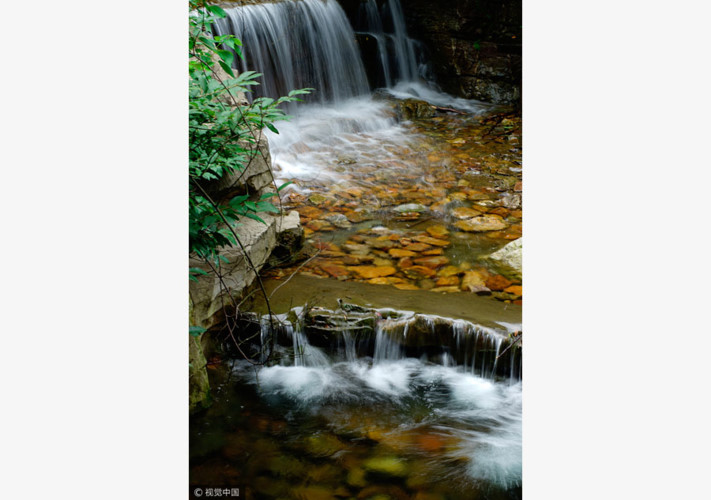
[465, 213]
[501, 211]
[431, 241]
[405, 262]
[383, 492]
[356, 477]
[317, 199]
[518, 187]
[354, 260]
[473, 281]
[398, 253]
[419, 272]
[323, 445]
[515, 290]
[511, 201]
[508, 260]
[482, 223]
[411, 207]
[417, 247]
[372, 271]
[386, 465]
[380, 261]
[345, 159]
[384, 244]
[338, 220]
[320, 225]
[498, 283]
[335, 270]
[426, 284]
[432, 262]
[437, 231]
[359, 215]
[409, 109]
[357, 248]
[449, 271]
[325, 473]
[286, 466]
[314, 492]
[271, 487]
[451, 280]
[435, 251]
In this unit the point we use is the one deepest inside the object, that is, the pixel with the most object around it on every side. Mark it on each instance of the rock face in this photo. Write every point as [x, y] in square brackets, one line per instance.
[199, 383]
[475, 45]
[508, 260]
[280, 234]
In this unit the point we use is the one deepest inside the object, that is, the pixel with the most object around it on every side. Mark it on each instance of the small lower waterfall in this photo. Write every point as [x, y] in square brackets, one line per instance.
[432, 408]
[319, 338]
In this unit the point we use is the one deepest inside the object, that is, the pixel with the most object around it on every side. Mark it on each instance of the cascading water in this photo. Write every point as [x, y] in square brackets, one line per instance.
[415, 405]
[299, 44]
[311, 44]
[438, 424]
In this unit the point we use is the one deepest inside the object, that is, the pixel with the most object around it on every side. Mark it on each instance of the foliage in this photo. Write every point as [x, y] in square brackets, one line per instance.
[223, 133]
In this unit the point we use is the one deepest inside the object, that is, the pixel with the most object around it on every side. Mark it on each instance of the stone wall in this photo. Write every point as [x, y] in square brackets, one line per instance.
[475, 45]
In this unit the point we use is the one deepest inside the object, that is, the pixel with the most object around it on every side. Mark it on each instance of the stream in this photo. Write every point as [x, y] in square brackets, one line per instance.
[403, 191]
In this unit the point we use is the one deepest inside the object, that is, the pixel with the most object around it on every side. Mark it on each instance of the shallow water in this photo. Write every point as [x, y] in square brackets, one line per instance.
[401, 428]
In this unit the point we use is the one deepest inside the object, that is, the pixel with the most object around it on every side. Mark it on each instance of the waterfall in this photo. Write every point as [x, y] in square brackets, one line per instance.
[299, 44]
[384, 336]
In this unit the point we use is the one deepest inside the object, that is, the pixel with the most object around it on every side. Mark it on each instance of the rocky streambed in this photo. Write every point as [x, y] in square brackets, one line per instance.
[421, 209]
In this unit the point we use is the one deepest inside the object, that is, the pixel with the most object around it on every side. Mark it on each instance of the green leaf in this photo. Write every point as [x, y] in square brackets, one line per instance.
[196, 330]
[227, 68]
[271, 127]
[283, 186]
[226, 56]
[218, 11]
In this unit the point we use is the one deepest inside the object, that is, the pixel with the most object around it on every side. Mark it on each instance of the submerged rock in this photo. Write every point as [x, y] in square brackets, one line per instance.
[387, 465]
[482, 223]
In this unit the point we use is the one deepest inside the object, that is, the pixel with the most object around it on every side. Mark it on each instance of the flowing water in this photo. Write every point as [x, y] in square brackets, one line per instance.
[319, 426]
[413, 409]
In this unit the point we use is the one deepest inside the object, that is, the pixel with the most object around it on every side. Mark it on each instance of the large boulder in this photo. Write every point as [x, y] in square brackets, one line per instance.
[508, 260]
[210, 293]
